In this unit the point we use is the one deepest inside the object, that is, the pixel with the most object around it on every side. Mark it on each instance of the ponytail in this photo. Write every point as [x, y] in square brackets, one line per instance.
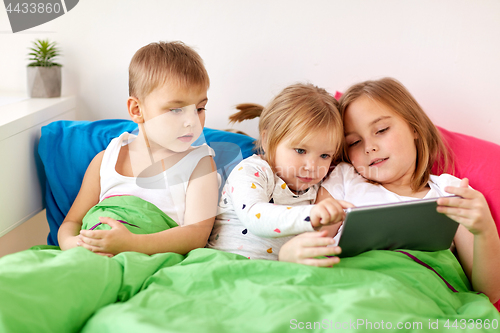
[246, 111]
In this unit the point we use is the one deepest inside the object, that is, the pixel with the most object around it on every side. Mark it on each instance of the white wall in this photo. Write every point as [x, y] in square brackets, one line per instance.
[447, 52]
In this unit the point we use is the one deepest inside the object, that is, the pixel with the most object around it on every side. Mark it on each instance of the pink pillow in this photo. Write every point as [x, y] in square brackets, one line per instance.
[479, 161]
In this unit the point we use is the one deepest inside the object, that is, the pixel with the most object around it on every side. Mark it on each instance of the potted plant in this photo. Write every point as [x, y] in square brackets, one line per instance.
[44, 74]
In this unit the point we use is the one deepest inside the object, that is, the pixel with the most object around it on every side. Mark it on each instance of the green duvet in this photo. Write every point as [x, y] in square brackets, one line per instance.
[48, 290]
[137, 215]
[212, 291]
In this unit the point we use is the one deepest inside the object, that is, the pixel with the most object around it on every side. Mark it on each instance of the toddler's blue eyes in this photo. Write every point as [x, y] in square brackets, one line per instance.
[303, 151]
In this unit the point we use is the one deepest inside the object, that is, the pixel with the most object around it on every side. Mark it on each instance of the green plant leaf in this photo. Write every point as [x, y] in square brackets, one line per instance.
[44, 53]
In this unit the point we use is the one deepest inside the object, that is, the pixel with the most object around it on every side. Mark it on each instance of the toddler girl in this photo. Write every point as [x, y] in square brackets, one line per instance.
[269, 197]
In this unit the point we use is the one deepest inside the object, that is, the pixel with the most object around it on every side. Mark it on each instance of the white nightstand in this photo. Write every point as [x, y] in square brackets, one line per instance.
[21, 178]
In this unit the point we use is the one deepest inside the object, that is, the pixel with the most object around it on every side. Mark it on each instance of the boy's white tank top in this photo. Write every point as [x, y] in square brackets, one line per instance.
[167, 190]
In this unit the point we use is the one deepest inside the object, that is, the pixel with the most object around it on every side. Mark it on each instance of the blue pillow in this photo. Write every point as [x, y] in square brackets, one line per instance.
[66, 148]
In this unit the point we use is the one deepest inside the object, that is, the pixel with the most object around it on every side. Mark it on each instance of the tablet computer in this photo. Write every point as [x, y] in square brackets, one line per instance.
[412, 225]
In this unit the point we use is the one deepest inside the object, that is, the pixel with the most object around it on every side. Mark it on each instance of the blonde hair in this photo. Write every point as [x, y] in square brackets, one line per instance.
[392, 94]
[156, 63]
[300, 110]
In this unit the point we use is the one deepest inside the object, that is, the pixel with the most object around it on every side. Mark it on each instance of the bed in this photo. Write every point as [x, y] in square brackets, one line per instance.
[46, 290]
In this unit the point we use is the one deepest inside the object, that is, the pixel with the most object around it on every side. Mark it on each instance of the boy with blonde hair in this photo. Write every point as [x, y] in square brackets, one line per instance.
[157, 169]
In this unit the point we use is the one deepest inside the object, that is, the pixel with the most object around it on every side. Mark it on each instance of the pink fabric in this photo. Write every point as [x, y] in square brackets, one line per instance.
[479, 161]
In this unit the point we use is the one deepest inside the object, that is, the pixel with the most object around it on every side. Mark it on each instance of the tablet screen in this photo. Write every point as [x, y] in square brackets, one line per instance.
[412, 225]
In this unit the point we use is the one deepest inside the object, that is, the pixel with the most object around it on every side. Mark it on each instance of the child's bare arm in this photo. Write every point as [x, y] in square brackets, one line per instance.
[201, 208]
[87, 197]
[201, 201]
[477, 241]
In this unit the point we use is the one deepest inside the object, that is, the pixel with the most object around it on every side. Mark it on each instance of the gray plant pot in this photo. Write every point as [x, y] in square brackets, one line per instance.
[44, 82]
